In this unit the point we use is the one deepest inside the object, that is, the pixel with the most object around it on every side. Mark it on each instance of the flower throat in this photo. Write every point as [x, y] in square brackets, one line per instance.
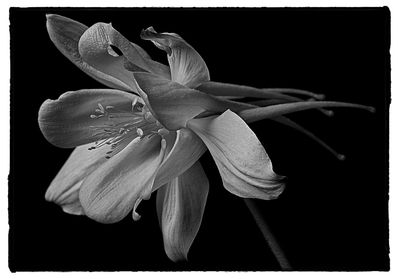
[120, 127]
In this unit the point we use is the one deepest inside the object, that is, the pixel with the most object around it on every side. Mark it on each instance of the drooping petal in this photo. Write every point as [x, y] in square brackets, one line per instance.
[65, 34]
[96, 48]
[110, 192]
[64, 189]
[186, 150]
[243, 163]
[174, 104]
[187, 66]
[180, 208]
[67, 122]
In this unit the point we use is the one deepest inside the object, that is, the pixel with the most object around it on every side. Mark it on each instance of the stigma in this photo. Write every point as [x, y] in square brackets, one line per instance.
[119, 127]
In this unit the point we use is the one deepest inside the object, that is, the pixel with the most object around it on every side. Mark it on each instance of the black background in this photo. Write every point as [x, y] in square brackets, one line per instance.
[333, 214]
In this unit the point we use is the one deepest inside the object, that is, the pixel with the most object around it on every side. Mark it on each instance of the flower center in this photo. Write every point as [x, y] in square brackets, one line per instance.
[120, 127]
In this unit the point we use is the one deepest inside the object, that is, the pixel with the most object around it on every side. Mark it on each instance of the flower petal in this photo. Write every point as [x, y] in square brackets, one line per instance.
[174, 104]
[113, 189]
[97, 44]
[64, 189]
[186, 150]
[70, 203]
[65, 34]
[95, 49]
[245, 167]
[180, 208]
[67, 122]
[187, 66]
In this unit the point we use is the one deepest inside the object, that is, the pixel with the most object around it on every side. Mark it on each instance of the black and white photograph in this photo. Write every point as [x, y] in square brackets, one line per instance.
[199, 139]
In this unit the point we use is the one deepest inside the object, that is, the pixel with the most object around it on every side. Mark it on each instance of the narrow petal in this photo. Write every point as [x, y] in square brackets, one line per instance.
[65, 34]
[64, 189]
[174, 104]
[187, 66]
[186, 150]
[110, 192]
[67, 122]
[245, 167]
[97, 45]
[180, 208]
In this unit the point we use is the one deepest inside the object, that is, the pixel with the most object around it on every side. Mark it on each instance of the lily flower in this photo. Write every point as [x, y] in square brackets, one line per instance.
[148, 131]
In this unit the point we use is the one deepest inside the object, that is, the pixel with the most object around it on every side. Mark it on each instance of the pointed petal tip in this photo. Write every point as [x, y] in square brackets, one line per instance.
[50, 17]
[49, 196]
[278, 185]
[177, 257]
[73, 209]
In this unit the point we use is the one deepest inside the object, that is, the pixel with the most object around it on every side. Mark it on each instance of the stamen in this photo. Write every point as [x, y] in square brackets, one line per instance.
[139, 132]
[120, 127]
[134, 104]
[163, 132]
[100, 107]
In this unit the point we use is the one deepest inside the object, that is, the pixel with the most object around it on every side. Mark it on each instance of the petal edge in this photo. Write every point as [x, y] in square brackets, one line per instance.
[243, 163]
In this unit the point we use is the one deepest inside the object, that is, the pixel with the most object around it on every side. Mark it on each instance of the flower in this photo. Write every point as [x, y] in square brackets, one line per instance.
[147, 133]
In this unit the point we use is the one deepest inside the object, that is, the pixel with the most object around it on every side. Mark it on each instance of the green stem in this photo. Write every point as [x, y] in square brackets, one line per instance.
[269, 237]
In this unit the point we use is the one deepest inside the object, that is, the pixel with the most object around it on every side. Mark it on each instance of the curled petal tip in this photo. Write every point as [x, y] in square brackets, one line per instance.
[136, 216]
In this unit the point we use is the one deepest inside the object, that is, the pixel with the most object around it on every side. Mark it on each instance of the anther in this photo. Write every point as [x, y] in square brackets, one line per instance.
[101, 107]
[118, 127]
[148, 116]
[139, 132]
[163, 132]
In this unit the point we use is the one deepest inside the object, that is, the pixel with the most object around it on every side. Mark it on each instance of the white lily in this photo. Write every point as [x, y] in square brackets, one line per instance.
[148, 132]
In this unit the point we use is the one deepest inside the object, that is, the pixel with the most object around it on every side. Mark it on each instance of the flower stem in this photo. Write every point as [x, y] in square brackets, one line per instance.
[269, 237]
